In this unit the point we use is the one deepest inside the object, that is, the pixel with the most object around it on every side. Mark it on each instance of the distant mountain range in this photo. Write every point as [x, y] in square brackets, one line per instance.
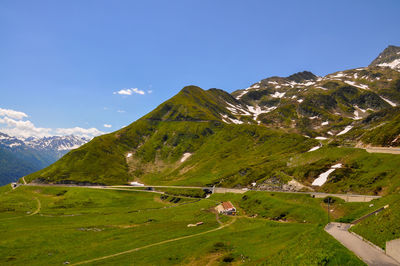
[259, 136]
[22, 156]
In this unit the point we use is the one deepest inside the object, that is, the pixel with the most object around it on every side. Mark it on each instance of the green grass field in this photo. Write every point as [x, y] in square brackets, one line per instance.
[53, 225]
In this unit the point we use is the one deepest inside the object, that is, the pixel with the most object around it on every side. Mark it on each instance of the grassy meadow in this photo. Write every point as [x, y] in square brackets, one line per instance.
[43, 225]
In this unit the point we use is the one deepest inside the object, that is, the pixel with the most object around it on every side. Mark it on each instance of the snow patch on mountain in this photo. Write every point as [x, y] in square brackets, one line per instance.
[344, 131]
[388, 101]
[395, 64]
[278, 94]
[356, 115]
[314, 148]
[322, 178]
[229, 120]
[256, 111]
[361, 86]
[255, 86]
[185, 156]
[237, 110]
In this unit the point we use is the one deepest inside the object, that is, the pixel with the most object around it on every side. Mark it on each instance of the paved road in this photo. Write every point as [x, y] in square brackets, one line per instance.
[346, 197]
[383, 150]
[366, 252]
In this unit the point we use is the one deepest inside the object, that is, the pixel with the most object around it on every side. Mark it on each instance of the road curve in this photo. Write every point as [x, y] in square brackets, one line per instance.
[366, 252]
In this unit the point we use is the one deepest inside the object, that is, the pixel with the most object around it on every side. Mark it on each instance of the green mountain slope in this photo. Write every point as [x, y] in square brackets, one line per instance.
[259, 135]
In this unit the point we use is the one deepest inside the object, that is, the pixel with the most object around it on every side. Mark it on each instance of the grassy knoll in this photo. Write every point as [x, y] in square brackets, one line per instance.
[383, 226]
[79, 224]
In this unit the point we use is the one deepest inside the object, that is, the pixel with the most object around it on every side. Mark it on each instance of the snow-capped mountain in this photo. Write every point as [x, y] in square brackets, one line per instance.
[55, 143]
[321, 106]
[19, 156]
[59, 143]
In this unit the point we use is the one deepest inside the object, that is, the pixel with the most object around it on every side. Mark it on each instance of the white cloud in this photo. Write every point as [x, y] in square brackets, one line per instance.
[149, 91]
[13, 114]
[107, 125]
[12, 123]
[130, 91]
[78, 131]
[136, 90]
[120, 111]
[25, 129]
[123, 92]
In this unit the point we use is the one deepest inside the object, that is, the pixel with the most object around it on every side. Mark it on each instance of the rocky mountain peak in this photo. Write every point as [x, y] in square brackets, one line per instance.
[302, 76]
[390, 57]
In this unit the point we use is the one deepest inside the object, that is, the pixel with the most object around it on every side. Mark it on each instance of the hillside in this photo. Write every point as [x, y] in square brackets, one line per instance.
[277, 130]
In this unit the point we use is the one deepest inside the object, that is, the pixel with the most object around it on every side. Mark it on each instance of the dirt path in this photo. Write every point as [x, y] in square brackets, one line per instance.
[23, 179]
[39, 206]
[155, 244]
[366, 252]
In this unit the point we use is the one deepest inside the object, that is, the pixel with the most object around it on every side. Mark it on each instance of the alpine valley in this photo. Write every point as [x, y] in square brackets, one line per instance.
[297, 170]
[22, 156]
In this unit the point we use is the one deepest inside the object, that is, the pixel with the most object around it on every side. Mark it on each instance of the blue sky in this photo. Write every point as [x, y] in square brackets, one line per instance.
[61, 62]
